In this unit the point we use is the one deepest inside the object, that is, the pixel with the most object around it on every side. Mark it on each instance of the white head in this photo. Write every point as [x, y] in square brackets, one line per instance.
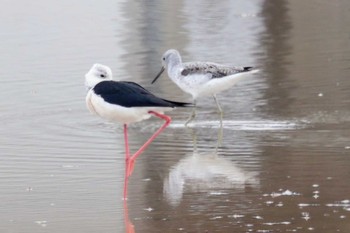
[96, 74]
[170, 59]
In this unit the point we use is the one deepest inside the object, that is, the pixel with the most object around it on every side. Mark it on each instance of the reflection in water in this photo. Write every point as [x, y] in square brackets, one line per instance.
[275, 42]
[205, 172]
[129, 227]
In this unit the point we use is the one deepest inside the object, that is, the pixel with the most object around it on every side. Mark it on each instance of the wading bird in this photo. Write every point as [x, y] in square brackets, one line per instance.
[125, 102]
[201, 78]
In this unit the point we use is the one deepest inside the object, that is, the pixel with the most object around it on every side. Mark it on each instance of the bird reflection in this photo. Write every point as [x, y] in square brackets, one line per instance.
[129, 227]
[201, 172]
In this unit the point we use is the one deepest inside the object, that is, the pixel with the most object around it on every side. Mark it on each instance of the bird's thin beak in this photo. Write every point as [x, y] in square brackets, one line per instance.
[158, 75]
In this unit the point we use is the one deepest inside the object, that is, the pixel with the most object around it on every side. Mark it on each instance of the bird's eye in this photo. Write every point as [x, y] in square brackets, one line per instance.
[163, 58]
[102, 75]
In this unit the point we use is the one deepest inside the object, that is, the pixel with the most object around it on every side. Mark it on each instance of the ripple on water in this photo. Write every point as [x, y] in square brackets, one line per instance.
[258, 125]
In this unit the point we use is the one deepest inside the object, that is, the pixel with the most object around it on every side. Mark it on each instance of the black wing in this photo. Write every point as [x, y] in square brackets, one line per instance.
[129, 94]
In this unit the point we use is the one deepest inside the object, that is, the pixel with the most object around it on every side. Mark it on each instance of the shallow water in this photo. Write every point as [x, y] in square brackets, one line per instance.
[283, 165]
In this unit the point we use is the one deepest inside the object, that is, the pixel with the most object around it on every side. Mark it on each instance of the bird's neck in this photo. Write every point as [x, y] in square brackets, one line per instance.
[173, 67]
[172, 71]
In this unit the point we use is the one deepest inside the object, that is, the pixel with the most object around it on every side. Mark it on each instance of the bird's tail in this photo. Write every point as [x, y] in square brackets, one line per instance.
[179, 104]
[250, 69]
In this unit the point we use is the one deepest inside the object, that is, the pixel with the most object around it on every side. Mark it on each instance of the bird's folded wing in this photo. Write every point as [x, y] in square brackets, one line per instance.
[214, 70]
[128, 94]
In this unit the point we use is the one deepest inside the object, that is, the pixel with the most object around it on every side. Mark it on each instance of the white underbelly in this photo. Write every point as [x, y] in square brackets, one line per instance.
[217, 85]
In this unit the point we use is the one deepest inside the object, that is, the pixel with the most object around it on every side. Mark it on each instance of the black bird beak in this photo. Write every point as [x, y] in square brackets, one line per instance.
[158, 75]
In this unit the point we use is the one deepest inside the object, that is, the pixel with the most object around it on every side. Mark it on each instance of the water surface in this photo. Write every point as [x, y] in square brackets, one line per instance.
[283, 165]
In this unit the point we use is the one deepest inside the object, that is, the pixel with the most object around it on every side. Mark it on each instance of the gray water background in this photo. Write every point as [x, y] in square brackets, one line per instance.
[284, 164]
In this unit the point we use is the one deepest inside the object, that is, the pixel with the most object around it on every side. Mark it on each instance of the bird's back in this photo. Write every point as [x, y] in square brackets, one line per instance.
[208, 78]
[214, 70]
[130, 94]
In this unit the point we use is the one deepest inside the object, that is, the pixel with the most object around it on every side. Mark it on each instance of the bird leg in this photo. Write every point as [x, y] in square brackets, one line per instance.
[166, 123]
[220, 133]
[192, 116]
[132, 158]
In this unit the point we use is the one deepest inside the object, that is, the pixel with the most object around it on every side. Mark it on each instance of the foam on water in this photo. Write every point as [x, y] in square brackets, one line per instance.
[253, 125]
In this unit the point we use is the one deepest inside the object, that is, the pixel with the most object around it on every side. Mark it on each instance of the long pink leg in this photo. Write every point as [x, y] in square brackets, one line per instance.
[142, 148]
[127, 157]
[130, 160]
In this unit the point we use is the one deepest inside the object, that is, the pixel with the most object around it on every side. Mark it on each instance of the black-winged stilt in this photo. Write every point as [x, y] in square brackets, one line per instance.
[201, 78]
[125, 102]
